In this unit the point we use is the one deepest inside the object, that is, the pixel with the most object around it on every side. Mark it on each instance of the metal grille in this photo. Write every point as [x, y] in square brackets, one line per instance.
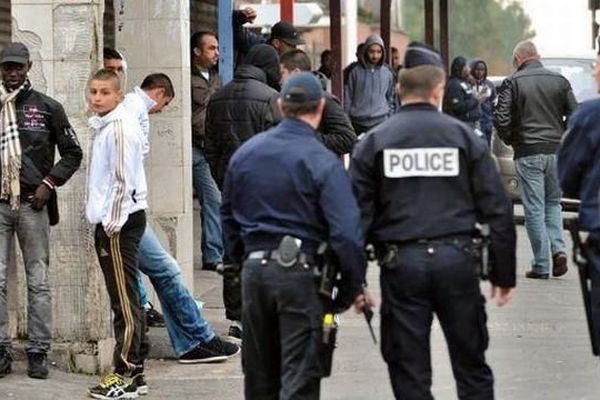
[5, 23]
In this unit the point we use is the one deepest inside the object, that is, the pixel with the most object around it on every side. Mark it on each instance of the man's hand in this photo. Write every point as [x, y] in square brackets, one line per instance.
[40, 197]
[250, 14]
[504, 294]
[364, 298]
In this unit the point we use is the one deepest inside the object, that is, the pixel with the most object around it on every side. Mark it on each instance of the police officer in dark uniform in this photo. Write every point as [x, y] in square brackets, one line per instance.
[423, 181]
[284, 194]
[579, 175]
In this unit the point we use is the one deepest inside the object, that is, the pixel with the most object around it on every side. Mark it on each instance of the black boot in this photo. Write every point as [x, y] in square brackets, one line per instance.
[38, 365]
[5, 360]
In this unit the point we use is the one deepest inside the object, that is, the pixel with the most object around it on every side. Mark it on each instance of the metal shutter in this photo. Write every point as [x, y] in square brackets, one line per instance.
[5, 23]
[203, 15]
[109, 24]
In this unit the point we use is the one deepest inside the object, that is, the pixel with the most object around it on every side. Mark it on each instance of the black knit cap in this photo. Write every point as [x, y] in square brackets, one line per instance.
[418, 54]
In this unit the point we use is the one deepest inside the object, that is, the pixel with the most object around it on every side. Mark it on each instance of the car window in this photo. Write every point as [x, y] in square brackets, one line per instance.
[578, 72]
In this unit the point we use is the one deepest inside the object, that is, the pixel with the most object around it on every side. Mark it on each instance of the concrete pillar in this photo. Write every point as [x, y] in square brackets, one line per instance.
[64, 38]
[153, 35]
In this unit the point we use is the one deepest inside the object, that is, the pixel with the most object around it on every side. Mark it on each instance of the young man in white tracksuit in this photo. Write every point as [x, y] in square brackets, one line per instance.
[116, 204]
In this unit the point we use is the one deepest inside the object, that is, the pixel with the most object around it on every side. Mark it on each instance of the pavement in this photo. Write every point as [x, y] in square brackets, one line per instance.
[539, 350]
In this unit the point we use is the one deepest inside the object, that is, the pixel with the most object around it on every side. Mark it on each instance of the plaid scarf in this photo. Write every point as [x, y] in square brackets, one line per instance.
[10, 146]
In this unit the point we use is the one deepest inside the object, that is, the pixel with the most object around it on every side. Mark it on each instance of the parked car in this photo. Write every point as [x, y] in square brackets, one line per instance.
[578, 70]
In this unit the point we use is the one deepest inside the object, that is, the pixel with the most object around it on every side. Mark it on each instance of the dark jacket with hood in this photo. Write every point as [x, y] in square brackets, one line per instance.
[369, 93]
[532, 106]
[244, 107]
[459, 99]
[485, 86]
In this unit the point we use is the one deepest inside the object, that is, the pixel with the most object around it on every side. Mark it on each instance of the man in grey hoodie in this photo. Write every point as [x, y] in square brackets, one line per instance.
[369, 93]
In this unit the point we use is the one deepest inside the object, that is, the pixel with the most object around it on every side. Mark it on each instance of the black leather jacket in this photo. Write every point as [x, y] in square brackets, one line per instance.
[532, 108]
[43, 128]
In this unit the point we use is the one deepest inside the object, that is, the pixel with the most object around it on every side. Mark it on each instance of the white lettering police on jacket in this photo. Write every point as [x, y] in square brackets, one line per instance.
[422, 162]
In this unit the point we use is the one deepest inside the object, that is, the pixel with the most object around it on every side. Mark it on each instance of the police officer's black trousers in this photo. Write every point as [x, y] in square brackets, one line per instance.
[282, 318]
[593, 255]
[426, 279]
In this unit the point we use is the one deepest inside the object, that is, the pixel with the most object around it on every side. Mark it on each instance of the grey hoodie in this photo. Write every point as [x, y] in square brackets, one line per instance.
[369, 95]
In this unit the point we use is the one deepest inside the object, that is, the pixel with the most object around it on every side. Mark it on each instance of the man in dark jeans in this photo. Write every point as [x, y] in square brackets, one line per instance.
[205, 81]
[533, 104]
[34, 126]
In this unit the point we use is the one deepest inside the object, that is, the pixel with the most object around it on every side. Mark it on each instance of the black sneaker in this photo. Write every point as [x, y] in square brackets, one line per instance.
[37, 365]
[216, 350]
[140, 382]
[235, 333]
[114, 386]
[5, 363]
[536, 275]
[154, 318]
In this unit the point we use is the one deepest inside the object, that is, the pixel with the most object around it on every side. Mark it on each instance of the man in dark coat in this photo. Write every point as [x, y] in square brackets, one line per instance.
[335, 129]
[241, 109]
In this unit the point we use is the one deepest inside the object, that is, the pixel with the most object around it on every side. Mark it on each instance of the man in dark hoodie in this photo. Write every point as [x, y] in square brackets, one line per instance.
[459, 99]
[242, 108]
[369, 93]
[485, 92]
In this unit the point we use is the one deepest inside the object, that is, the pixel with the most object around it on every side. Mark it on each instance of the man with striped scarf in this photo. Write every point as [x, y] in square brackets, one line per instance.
[32, 127]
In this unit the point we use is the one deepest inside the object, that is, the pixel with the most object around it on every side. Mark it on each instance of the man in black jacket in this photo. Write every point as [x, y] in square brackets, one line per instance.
[459, 99]
[241, 109]
[335, 129]
[533, 104]
[33, 126]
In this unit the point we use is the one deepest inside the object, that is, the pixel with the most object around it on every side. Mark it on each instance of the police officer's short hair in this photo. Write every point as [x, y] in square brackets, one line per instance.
[420, 81]
[159, 81]
[295, 58]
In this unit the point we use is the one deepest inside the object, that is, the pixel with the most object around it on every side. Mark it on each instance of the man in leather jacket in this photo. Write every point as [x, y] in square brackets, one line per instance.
[533, 104]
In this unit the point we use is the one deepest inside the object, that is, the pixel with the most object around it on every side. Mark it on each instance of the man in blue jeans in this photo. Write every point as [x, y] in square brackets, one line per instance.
[205, 81]
[533, 104]
[193, 339]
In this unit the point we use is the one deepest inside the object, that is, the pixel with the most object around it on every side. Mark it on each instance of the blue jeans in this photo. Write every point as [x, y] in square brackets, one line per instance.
[541, 195]
[209, 197]
[33, 231]
[185, 324]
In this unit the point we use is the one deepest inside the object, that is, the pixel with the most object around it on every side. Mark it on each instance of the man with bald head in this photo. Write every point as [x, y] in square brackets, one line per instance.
[533, 105]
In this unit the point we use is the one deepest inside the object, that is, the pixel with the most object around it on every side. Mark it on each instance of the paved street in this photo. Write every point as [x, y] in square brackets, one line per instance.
[539, 351]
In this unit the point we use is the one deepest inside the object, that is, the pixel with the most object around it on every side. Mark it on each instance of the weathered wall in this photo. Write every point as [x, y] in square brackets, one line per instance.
[64, 40]
[153, 35]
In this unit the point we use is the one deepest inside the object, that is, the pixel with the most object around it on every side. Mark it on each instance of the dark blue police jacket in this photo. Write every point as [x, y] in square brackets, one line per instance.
[285, 182]
[579, 163]
[425, 175]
